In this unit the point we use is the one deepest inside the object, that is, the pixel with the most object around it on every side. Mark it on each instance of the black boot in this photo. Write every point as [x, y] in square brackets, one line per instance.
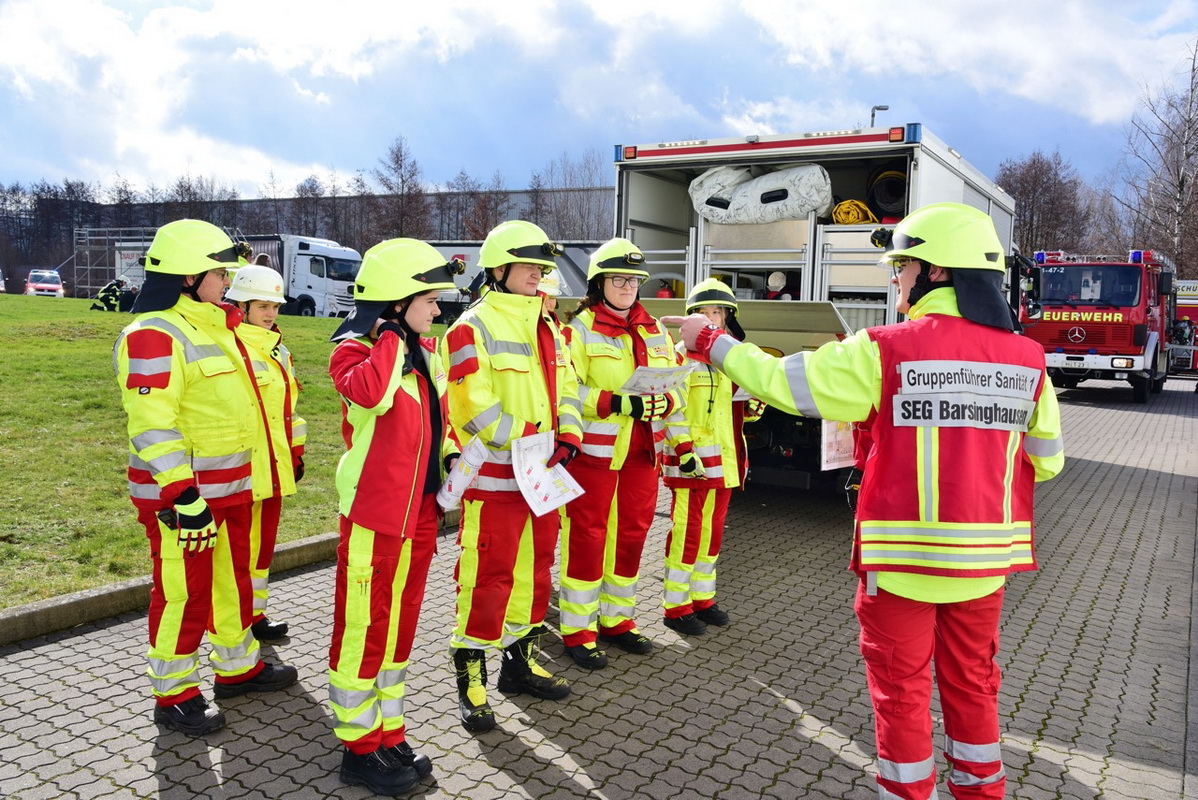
[266, 631]
[195, 717]
[521, 674]
[471, 669]
[377, 772]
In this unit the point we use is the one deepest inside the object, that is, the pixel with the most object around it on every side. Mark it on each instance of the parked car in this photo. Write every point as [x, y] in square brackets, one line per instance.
[44, 282]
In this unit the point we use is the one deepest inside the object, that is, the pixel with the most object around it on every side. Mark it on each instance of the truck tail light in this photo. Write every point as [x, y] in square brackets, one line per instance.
[1140, 335]
[625, 152]
[897, 134]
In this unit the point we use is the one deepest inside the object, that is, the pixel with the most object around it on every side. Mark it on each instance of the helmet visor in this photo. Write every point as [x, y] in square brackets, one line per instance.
[233, 254]
[546, 250]
[443, 273]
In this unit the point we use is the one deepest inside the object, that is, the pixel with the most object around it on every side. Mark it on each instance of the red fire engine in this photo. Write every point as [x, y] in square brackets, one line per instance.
[1103, 317]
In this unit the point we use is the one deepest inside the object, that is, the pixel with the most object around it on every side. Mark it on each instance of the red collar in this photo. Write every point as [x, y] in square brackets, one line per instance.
[609, 324]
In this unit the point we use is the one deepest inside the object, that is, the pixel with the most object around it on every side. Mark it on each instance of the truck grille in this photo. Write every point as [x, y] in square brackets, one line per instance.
[1096, 336]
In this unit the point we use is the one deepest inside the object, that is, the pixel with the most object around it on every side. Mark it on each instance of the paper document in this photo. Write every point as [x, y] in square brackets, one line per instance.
[464, 471]
[656, 380]
[544, 488]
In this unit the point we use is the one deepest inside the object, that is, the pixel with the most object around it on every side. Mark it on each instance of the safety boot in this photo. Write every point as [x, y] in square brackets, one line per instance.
[470, 666]
[521, 674]
[195, 717]
[377, 772]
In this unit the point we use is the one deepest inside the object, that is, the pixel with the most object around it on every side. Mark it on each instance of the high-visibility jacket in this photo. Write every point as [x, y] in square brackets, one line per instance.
[193, 416]
[711, 426]
[387, 430]
[282, 439]
[606, 350]
[509, 376]
[963, 419]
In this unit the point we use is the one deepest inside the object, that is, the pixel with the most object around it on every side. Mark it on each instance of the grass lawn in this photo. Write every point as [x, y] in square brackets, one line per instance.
[66, 522]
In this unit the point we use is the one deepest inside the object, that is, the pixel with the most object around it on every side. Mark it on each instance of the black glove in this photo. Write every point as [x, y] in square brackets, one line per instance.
[642, 407]
[563, 455]
[193, 520]
[299, 468]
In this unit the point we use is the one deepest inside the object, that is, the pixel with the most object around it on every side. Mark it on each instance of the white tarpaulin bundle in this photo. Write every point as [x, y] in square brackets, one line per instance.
[731, 195]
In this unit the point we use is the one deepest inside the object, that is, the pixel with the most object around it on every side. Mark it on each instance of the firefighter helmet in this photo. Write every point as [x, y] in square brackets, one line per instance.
[617, 256]
[399, 268]
[518, 240]
[551, 284]
[253, 282]
[190, 247]
[714, 292]
[950, 235]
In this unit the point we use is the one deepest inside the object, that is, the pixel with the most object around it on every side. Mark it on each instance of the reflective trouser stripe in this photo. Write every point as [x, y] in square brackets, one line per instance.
[264, 531]
[974, 765]
[602, 541]
[900, 640]
[234, 648]
[379, 591]
[502, 570]
[180, 602]
[693, 546]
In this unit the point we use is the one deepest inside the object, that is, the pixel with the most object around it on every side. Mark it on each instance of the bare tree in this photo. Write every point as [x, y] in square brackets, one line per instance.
[1162, 165]
[576, 205]
[405, 207]
[1049, 210]
[273, 192]
[362, 213]
[305, 210]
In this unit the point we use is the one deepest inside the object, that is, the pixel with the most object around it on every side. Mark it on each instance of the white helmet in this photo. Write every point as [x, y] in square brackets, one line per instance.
[551, 284]
[253, 282]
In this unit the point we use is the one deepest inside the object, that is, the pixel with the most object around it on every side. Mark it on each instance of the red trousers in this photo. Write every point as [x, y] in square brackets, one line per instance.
[900, 639]
[263, 535]
[603, 535]
[379, 591]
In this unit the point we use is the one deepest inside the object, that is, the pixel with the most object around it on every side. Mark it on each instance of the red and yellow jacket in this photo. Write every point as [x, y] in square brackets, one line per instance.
[509, 376]
[193, 413]
[387, 431]
[606, 350]
[281, 443]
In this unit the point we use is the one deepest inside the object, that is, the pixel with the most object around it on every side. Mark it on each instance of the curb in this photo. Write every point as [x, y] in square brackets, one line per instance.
[89, 605]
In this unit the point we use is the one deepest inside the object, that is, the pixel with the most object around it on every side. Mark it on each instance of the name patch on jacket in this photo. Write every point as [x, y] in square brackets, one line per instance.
[965, 394]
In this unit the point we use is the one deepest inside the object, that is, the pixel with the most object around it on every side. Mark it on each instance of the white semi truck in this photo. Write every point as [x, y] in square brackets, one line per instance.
[786, 221]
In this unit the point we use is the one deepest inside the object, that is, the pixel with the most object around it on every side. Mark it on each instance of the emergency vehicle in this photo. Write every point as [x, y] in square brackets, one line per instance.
[789, 218]
[1102, 316]
[1183, 354]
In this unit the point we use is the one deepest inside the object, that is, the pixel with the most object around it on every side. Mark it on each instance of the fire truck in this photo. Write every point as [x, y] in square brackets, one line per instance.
[786, 221]
[1107, 317]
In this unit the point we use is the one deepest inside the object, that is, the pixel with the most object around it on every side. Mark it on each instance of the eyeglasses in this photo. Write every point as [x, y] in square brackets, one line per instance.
[620, 281]
[897, 266]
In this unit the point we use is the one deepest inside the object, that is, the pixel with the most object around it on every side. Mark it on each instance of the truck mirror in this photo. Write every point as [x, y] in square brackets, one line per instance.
[1033, 309]
[1165, 287]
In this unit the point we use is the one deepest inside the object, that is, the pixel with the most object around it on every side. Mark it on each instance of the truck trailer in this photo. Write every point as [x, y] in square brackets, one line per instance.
[787, 220]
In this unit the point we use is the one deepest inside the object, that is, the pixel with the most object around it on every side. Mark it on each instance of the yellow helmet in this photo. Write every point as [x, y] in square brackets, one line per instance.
[191, 246]
[399, 268]
[950, 235]
[253, 282]
[617, 256]
[711, 292]
[518, 240]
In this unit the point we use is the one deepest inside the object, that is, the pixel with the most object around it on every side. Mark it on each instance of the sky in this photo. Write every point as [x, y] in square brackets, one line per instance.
[238, 90]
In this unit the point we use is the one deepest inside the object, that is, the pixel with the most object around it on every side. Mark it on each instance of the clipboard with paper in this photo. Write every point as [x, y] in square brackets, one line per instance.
[656, 380]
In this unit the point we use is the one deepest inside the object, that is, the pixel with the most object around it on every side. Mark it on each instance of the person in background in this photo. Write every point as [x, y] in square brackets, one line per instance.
[509, 376]
[398, 450]
[109, 298]
[550, 288]
[258, 292]
[705, 459]
[610, 335]
[189, 394]
[962, 421]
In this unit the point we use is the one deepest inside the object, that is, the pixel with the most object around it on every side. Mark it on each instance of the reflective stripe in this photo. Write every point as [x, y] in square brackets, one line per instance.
[704, 585]
[258, 584]
[886, 794]
[213, 491]
[503, 432]
[483, 419]
[975, 753]
[146, 438]
[299, 431]
[144, 491]
[579, 596]
[149, 366]
[486, 484]
[191, 352]
[350, 698]
[589, 336]
[906, 772]
[239, 658]
[157, 466]
[707, 451]
[958, 778]
[598, 450]
[231, 461]
[573, 403]
[612, 590]
[601, 428]
[677, 575]
[569, 619]
[260, 366]
[943, 532]
[462, 355]
[504, 346]
[872, 554]
[1042, 448]
[391, 677]
[800, 389]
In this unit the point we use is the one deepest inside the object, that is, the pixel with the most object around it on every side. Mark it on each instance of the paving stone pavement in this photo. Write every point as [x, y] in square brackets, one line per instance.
[1096, 651]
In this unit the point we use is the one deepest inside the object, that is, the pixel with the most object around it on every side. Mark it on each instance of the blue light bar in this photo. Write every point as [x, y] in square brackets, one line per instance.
[1136, 257]
[914, 132]
[1039, 256]
[619, 156]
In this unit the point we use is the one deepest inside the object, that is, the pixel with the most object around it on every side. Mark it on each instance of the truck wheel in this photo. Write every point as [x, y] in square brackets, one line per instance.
[306, 307]
[1158, 380]
[1139, 389]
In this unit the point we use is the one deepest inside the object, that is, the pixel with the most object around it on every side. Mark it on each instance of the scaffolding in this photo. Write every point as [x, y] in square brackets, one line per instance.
[102, 254]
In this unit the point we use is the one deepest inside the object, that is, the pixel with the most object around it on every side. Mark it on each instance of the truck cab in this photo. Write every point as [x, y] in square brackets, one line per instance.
[318, 274]
[1102, 316]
